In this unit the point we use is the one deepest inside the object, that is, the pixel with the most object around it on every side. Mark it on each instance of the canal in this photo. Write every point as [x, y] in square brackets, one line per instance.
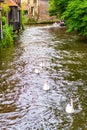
[24, 105]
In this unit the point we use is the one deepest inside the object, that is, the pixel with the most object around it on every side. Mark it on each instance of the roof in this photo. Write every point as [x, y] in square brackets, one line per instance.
[11, 3]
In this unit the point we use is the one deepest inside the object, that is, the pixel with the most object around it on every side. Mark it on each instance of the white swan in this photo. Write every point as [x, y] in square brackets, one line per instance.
[69, 107]
[37, 71]
[56, 24]
[46, 86]
[42, 64]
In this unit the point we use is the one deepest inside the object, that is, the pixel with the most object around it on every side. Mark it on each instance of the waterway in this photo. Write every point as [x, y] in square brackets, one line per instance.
[24, 105]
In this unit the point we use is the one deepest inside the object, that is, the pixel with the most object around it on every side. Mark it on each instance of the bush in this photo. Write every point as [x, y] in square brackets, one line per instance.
[8, 36]
[4, 20]
[76, 17]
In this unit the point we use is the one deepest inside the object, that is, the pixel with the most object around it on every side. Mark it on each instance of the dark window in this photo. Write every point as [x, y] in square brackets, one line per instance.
[32, 8]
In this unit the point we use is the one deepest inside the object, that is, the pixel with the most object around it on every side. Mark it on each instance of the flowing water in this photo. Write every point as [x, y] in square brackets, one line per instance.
[24, 105]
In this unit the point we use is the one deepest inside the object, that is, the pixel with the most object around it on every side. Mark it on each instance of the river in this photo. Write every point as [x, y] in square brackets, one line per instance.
[24, 105]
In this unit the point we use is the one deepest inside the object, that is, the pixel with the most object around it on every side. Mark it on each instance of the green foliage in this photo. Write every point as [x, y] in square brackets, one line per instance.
[8, 36]
[57, 7]
[24, 19]
[52, 8]
[5, 8]
[23, 16]
[74, 12]
[4, 20]
[76, 16]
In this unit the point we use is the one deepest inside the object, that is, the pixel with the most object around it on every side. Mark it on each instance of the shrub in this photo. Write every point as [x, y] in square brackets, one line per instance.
[4, 20]
[8, 36]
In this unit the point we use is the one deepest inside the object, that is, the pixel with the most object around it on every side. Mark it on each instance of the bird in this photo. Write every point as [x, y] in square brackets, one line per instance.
[46, 86]
[42, 64]
[37, 71]
[69, 107]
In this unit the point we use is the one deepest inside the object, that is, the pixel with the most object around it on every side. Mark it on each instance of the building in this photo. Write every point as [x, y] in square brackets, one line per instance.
[14, 14]
[38, 9]
[32, 7]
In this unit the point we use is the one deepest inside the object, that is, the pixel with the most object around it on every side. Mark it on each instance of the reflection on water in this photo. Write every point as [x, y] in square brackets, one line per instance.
[24, 105]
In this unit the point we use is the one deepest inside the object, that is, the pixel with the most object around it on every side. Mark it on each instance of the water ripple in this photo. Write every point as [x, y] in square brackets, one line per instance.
[24, 105]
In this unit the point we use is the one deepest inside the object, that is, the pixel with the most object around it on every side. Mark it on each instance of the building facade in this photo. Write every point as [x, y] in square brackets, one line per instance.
[38, 9]
[14, 14]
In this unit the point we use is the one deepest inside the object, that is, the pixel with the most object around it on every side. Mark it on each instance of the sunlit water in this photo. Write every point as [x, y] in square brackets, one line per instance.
[24, 105]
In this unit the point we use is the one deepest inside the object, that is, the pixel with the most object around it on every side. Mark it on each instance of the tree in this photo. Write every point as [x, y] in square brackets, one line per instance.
[76, 16]
[74, 12]
[57, 7]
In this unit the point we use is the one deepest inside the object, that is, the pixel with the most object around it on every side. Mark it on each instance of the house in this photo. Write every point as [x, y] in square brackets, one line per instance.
[32, 8]
[14, 14]
[38, 9]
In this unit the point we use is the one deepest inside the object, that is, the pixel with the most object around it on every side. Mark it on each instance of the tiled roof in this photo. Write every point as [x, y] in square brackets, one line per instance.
[11, 3]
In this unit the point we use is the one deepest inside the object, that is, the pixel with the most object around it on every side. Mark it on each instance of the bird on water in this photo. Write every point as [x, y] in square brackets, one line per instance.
[46, 86]
[69, 107]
